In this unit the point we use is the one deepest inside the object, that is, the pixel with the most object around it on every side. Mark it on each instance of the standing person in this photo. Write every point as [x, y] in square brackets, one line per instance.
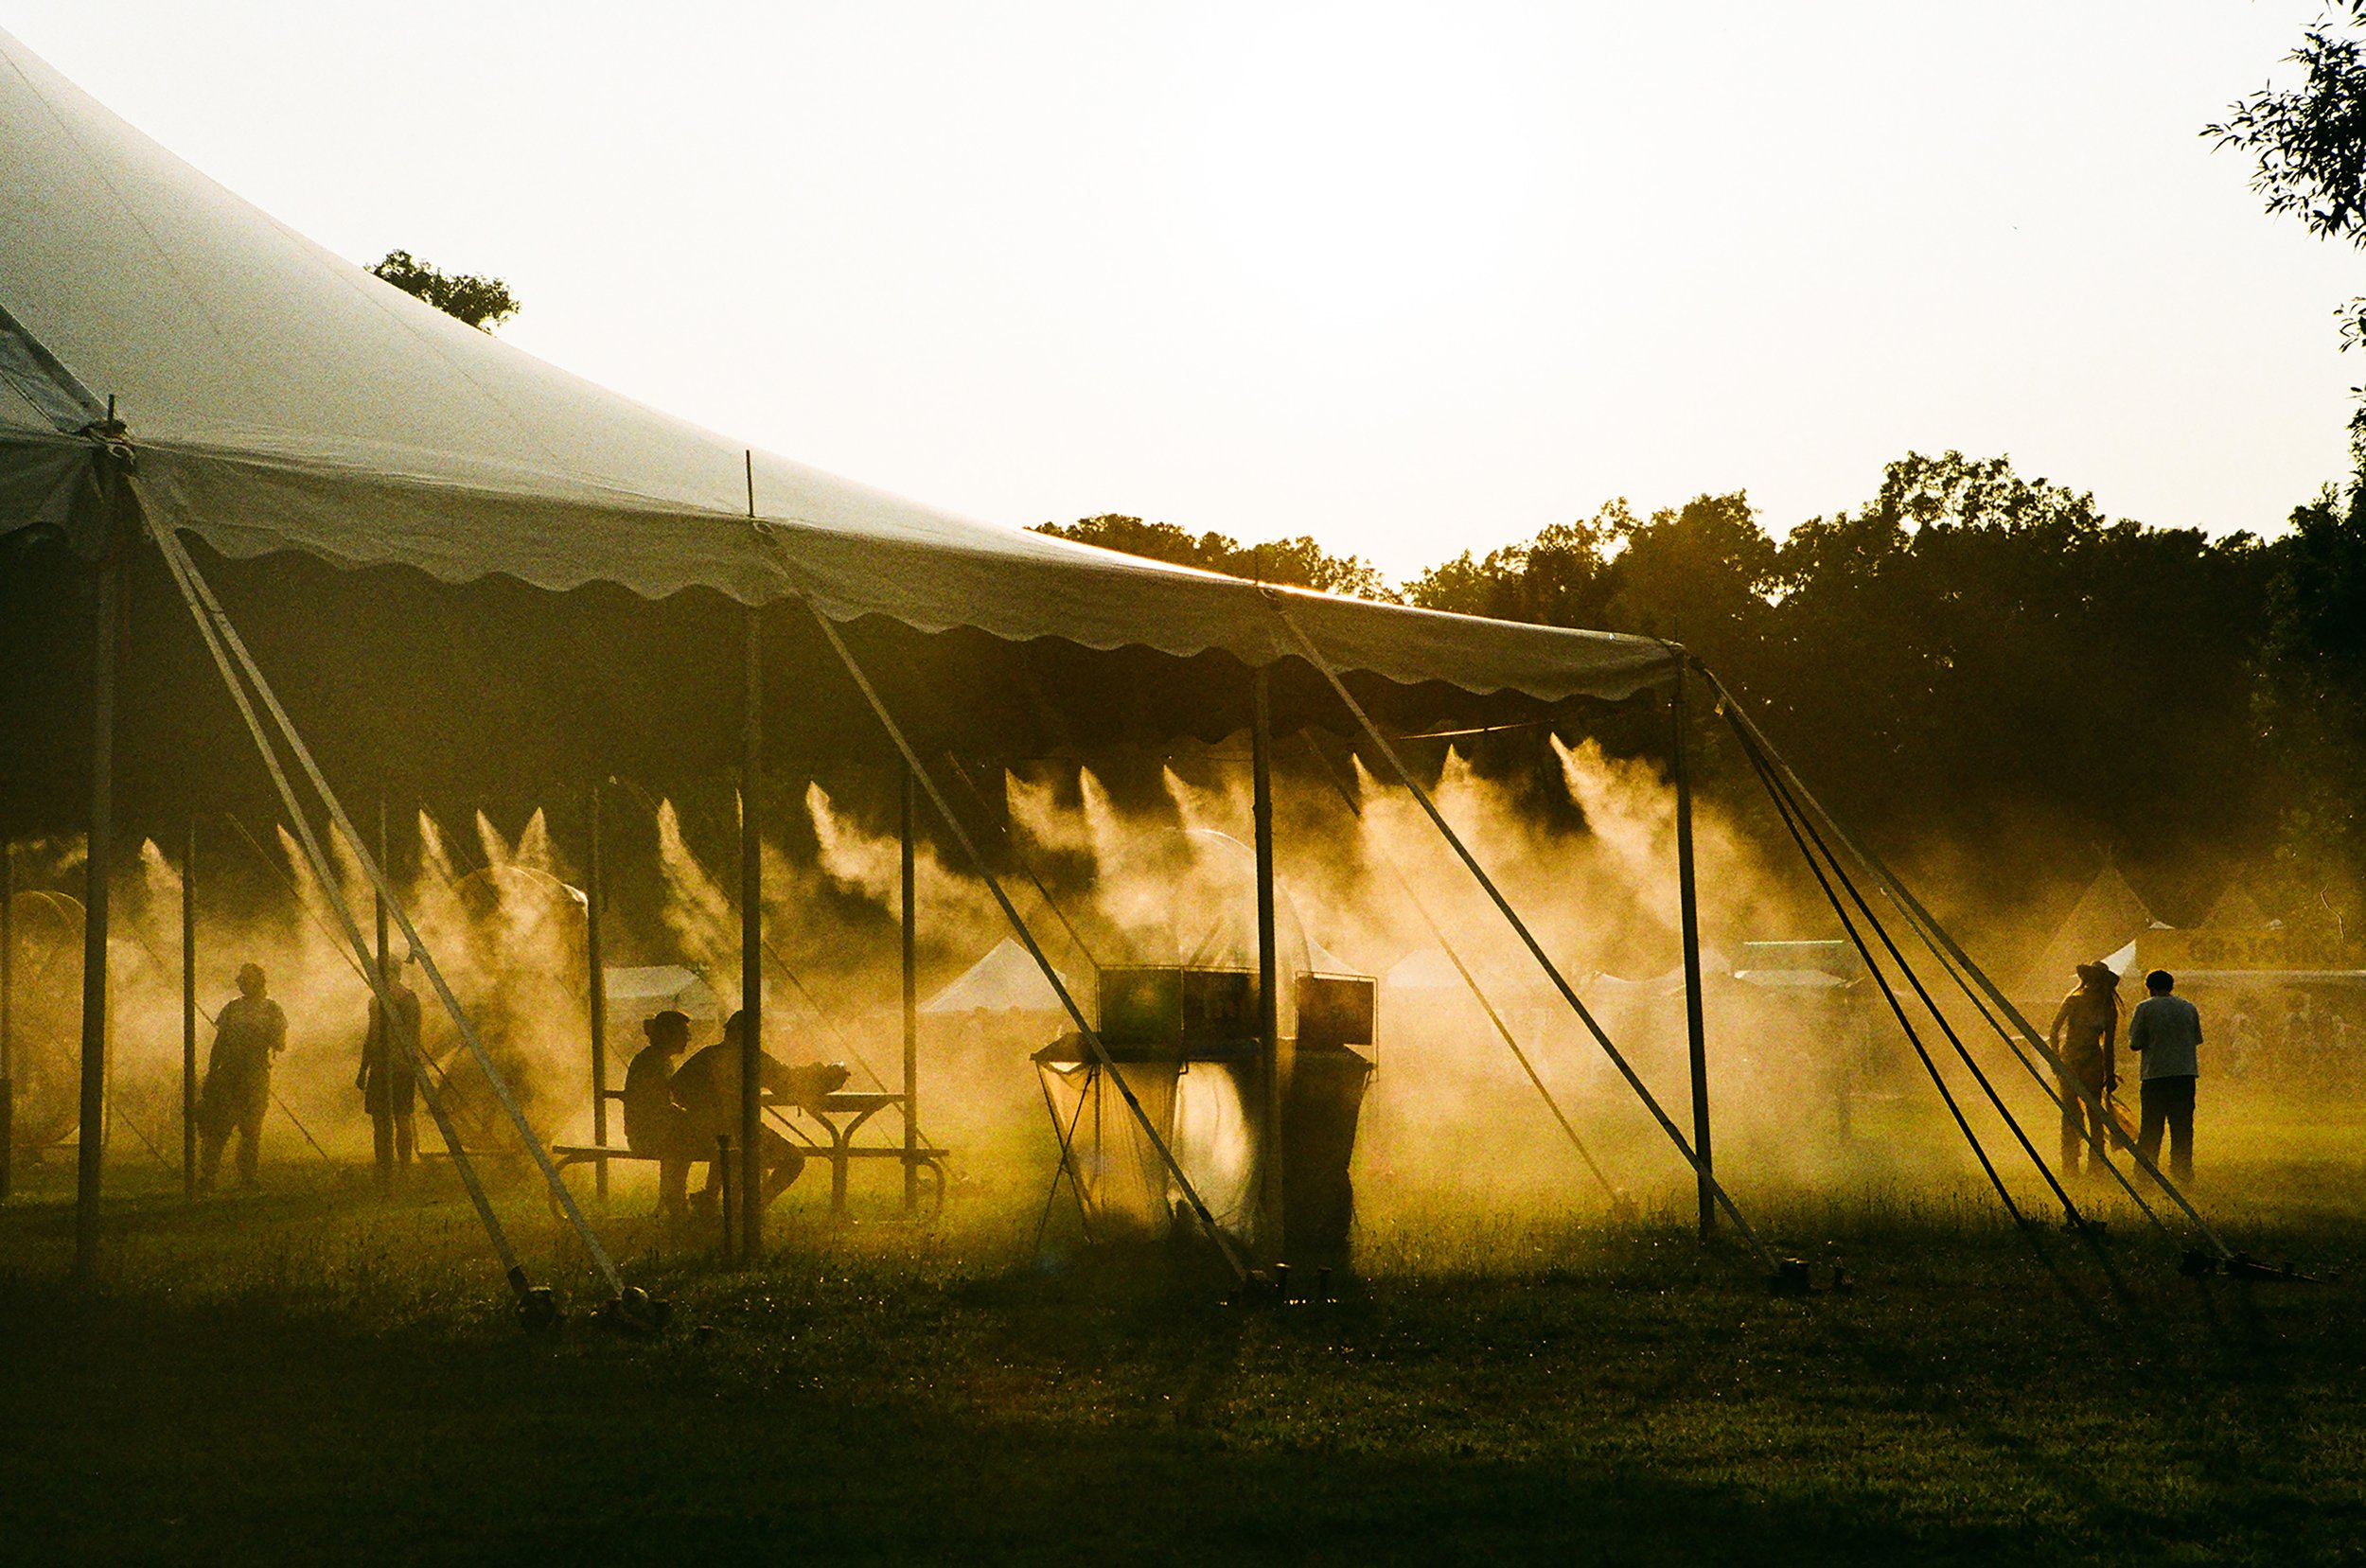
[249, 1030]
[388, 1080]
[2086, 1030]
[653, 1123]
[2166, 1033]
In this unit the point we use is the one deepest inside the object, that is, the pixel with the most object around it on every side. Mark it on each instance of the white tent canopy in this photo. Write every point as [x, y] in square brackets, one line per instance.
[278, 398]
[1005, 981]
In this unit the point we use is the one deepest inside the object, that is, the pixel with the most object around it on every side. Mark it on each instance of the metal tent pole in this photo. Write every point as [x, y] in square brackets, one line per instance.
[1018, 857]
[189, 1012]
[1696, 1042]
[90, 1156]
[909, 910]
[1268, 977]
[385, 1124]
[752, 947]
[596, 998]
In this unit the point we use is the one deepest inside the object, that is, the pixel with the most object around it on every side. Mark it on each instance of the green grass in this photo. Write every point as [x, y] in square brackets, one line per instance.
[310, 1375]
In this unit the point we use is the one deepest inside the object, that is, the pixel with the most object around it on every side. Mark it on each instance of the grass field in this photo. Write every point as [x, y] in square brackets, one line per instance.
[309, 1374]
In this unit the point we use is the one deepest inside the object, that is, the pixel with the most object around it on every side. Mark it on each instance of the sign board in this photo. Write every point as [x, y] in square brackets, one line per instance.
[2258, 950]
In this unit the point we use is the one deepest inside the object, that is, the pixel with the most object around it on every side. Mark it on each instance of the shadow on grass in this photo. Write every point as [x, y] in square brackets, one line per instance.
[298, 1376]
[149, 1432]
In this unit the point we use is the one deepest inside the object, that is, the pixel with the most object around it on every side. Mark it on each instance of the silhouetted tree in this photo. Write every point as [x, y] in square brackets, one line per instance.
[2312, 703]
[484, 303]
[1971, 655]
[2310, 145]
[2310, 141]
[1300, 561]
[1994, 649]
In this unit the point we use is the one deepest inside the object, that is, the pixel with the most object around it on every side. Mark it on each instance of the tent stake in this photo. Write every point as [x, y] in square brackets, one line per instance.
[909, 913]
[596, 998]
[1696, 1044]
[1268, 970]
[1520, 928]
[752, 947]
[189, 1012]
[90, 1154]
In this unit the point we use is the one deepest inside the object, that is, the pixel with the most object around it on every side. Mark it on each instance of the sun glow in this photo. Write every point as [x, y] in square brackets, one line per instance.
[1363, 163]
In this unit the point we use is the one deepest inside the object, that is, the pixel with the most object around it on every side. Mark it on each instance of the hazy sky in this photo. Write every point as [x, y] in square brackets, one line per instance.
[1411, 279]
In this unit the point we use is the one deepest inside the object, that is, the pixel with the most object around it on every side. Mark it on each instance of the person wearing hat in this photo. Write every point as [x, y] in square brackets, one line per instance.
[248, 1033]
[388, 1080]
[2085, 1033]
[653, 1123]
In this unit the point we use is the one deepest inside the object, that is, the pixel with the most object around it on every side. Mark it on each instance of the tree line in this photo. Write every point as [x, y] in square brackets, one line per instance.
[1978, 658]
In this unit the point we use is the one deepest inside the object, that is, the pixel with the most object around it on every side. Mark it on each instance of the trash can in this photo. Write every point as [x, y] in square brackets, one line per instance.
[1319, 1116]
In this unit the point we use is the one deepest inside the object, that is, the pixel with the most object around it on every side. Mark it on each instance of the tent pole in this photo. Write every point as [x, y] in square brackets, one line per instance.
[90, 1156]
[596, 999]
[1018, 857]
[1688, 899]
[1268, 977]
[383, 1019]
[909, 912]
[751, 1162]
[189, 1012]
[8, 1016]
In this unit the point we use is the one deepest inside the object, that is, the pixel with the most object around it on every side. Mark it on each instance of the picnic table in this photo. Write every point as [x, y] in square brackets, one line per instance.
[823, 1128]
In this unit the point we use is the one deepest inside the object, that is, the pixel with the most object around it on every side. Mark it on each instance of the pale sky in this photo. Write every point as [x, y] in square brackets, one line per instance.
[1411, 279]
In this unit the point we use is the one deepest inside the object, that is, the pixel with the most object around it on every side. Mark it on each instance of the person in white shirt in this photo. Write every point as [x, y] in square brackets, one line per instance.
[2166, 1034]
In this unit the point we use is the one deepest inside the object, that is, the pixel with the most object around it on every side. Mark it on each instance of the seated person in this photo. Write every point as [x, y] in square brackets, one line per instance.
[707, 1089]
[653, 1123]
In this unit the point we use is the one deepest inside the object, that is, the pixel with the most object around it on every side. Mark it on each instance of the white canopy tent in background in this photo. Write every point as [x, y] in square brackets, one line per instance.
[1005, 981]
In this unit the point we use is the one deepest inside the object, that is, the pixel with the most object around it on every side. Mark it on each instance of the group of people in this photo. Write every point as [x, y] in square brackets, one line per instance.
[250, 1034]
[676, 1113]
[684, 1114]
[2165, 1032]
[680, 1112]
